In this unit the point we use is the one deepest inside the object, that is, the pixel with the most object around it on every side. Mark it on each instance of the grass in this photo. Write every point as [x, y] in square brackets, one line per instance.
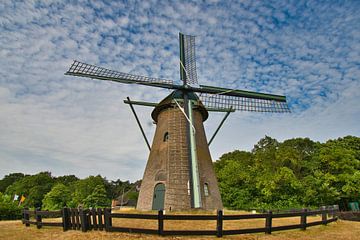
[337, 230]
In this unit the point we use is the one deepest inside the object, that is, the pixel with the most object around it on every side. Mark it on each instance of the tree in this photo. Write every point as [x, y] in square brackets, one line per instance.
[81, 189]
[67, 179]
[57, 198]
[293, 174]
[9, 179]
[8, 209]
[34, 187]
[97, 198]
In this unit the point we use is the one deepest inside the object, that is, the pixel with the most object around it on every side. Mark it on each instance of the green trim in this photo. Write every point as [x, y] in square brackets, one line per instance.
[182, 57]
[194, 162]
[239, 93]
[152, 104]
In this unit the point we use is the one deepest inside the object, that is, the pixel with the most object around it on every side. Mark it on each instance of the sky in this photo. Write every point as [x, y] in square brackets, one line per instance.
[308, 51]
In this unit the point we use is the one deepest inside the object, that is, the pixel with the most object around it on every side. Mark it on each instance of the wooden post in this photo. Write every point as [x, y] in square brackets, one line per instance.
[93, 213]
[65, 218]
[38, 218]
[26, 216]
[160, 222]
[324, 215]
[99, 213]
[303, 219]
[77, 218]
[83, 220]
[219, 223]
[268, 223]
[73, 221]
[107, 219]
[89, 226]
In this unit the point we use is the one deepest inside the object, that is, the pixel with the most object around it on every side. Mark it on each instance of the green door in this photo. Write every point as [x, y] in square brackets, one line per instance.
[159, 197]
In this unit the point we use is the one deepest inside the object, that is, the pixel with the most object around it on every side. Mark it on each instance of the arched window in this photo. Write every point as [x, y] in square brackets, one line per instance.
[166, 137]
[206, 189]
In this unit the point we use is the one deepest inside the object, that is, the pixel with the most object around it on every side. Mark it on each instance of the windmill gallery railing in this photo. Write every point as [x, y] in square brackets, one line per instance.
[102, 219]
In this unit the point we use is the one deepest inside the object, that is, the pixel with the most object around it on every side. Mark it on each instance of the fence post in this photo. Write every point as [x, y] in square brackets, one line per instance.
[65, 218]
[72, 218]
[335, 211]
[83, 220]
[93, 214]
[107, 219]
[219, 223]
[38, 218]
[160, 222]
[77, 218]
[99, 213]
[89, 226]
[303, 219]
[324, 215]
[26, 216]
[268, 222]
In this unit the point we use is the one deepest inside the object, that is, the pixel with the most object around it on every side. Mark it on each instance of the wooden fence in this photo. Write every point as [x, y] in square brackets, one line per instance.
[101, 219]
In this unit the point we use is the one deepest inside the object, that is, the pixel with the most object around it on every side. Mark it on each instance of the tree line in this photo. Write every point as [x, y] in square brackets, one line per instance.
[295, 173]
[45, 191]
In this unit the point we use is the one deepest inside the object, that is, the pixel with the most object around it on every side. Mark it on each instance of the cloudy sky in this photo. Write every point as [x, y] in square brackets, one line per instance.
[306, 50]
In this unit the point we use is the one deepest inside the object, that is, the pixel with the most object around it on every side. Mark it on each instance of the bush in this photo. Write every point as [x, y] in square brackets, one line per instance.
[9, 210]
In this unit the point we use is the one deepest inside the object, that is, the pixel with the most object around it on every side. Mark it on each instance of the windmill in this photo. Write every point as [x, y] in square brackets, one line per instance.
[179, 173]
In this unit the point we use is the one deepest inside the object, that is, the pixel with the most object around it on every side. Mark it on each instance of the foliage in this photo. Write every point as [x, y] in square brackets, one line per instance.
[9, 210]
[57, 198]
[97, 198]
[83, 188]
[9, 179]
[33, 187]
[67, 180]
[292, 174]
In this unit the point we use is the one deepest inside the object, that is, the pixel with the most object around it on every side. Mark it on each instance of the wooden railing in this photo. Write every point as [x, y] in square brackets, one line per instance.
[100, 219]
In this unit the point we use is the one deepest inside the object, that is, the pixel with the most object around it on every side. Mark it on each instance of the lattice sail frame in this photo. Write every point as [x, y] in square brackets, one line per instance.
[190, 60]
[243, 103]
[87, 70]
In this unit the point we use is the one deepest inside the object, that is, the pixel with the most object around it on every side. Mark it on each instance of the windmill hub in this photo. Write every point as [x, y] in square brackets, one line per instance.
[177, 97]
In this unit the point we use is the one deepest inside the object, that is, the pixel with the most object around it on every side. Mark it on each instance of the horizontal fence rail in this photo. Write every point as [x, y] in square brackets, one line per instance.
[101, 219]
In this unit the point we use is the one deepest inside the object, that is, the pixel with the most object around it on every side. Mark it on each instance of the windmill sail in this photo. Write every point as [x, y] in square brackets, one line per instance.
[243, 103]
[91, 71]
[188, 59]
[224, 98]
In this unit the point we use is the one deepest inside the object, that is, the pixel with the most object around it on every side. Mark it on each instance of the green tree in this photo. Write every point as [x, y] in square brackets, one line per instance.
[81, 189]
[67, 179]
[57, 198]
[33, 187]
[9, 179]
[97, 198]
[8, 208]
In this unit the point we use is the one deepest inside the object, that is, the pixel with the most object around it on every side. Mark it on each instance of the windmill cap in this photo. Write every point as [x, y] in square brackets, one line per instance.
[177, 95]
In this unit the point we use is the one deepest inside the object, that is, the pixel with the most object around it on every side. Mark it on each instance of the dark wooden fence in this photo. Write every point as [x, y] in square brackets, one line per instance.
[101, 219]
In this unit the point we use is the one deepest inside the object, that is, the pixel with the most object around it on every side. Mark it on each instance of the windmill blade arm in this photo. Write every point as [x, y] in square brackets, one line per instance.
[239, 93]
[243, 103]
[91, 71]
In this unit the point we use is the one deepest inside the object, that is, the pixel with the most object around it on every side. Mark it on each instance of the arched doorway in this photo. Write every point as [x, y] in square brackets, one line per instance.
[159, 197]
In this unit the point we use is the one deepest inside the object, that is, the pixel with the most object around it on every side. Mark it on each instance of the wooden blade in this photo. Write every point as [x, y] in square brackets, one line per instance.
[187, 59]
[238, 93]
[91, 71]
[243, 103]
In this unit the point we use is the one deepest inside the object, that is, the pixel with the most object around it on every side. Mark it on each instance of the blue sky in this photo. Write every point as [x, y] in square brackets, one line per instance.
[306, 50]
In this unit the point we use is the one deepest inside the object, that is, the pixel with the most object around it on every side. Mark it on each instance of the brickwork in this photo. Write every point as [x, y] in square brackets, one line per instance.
[169, 158]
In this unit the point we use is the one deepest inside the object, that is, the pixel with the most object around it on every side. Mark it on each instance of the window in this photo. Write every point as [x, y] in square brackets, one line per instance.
[188, 188]
[206, 189]
[166, 137]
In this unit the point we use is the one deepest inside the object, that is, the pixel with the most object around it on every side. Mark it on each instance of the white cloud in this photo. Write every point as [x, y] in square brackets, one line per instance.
[74, 125]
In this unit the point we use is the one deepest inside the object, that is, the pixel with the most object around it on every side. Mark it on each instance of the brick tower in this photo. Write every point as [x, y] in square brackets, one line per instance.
[165, 184]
